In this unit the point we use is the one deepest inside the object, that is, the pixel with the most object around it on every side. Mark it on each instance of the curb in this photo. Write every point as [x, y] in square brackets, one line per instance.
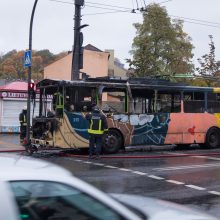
[143, 157]
[11, 151]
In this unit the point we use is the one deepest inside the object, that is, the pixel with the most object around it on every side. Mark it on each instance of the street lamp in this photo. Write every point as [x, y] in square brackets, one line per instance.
[29, 79]
[77, 39]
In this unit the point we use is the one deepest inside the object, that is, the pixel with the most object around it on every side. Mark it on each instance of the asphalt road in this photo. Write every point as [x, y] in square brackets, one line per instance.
[191, 180]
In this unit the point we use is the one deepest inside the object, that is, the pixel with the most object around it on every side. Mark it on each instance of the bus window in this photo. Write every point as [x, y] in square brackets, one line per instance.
[168, 103]
[213, 103]
[113, 102]
[142, 101]
[82, 99]
[140, 105]
[194, 102]
[150, 101]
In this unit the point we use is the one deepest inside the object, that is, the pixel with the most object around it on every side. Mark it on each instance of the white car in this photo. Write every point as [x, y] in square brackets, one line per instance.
[31, 189]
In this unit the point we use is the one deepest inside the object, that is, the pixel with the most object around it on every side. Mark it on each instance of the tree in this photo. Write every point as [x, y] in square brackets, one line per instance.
[12, 64]
[161, 47]
[8, 68]
[209, 67]
[46, 55]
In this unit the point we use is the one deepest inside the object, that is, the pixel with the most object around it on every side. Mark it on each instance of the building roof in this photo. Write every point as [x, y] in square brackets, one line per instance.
[93, 48]
[15, 86]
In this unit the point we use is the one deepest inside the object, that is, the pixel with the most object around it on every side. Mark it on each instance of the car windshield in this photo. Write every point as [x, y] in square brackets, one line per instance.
[39, 200]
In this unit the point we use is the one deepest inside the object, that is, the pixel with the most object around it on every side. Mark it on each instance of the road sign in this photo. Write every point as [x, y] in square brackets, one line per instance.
[27, 58]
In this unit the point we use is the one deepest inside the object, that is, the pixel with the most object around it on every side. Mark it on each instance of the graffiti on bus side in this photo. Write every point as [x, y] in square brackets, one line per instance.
[146, 129]
[139, 129]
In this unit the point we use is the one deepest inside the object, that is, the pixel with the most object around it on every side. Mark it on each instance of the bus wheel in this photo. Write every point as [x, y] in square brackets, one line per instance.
[112, 142]
[213, 138]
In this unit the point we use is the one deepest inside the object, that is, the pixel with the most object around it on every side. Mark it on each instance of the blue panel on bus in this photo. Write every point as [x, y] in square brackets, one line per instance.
[153, 132]
[79, 124]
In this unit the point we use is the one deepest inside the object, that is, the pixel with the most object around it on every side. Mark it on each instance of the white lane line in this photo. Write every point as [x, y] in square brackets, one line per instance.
[188, 167]
[198, 156]
[212, 158]
[99, 164]
[175, 182]
[215, 193]
[195, 187]
[139, 173]
[112, 167]
[152, 176]
[156, 177]
[87, 162]
[123, 169]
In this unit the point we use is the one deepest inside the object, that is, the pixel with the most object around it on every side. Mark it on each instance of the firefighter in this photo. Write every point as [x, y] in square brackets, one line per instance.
[23, 123]
[97, 126]
[58, 104]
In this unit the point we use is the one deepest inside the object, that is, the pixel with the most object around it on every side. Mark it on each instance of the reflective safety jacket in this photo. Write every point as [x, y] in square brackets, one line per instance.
[58, 102]
[97, 123]
[23, 118]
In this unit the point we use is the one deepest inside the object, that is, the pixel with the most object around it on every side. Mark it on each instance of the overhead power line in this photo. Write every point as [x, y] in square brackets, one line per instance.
[114, 9]
[164, 2]
[203, 24]
[193, 19]
[91, 6]
[112, 6]
[109, 12]
[64, 2]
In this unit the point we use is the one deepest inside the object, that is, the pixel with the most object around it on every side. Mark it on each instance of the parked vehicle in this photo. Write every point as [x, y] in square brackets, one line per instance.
[32, 189]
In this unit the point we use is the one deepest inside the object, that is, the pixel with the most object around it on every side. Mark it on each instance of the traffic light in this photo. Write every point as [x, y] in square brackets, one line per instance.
[31, 88]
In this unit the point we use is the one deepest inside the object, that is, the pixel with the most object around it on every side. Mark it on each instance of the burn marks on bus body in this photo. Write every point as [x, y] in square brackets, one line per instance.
[139, 111]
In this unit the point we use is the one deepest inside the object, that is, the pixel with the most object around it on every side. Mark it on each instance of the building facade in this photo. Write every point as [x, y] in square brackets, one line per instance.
[13, 98]
[95, 64]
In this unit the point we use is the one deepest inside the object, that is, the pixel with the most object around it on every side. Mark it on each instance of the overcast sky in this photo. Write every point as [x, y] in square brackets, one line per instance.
[53, 24]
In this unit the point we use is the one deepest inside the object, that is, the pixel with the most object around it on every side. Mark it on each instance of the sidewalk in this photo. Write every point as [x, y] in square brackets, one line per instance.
[10, 142]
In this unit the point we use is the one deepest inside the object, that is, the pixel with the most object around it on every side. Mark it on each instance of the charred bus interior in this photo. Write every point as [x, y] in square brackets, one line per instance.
[71, 100]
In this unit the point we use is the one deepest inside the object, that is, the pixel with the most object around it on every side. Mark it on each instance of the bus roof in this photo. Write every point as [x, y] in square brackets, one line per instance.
[133, 83]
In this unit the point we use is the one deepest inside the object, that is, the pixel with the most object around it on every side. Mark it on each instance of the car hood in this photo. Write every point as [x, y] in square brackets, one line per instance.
[14, 164]
[156, 209]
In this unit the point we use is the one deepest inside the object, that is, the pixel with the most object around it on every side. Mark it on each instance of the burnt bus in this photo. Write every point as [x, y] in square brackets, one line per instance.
[139, 111]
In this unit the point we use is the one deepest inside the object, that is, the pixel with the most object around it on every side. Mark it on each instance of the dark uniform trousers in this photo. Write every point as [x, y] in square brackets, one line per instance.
[23, 125]
[95, 144]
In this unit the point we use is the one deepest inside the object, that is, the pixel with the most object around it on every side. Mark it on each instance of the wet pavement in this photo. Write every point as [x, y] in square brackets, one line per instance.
[10, 142]
[190, 180]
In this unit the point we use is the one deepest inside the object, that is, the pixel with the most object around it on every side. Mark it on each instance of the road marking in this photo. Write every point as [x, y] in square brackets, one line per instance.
[123, 169]
[99, 164]
[156, 177]
[175, 182]
[206, 157]
[87, 162]
[198, 156]
[215, 193]
[188, 167]
[139, 173]
[112, 167]
[195, 187]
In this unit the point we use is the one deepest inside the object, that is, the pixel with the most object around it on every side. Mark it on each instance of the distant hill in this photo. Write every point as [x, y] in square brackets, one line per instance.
[11, 64]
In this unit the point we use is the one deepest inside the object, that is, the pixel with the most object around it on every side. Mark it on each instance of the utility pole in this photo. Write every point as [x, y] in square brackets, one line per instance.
[29, 78]
[78, 40]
